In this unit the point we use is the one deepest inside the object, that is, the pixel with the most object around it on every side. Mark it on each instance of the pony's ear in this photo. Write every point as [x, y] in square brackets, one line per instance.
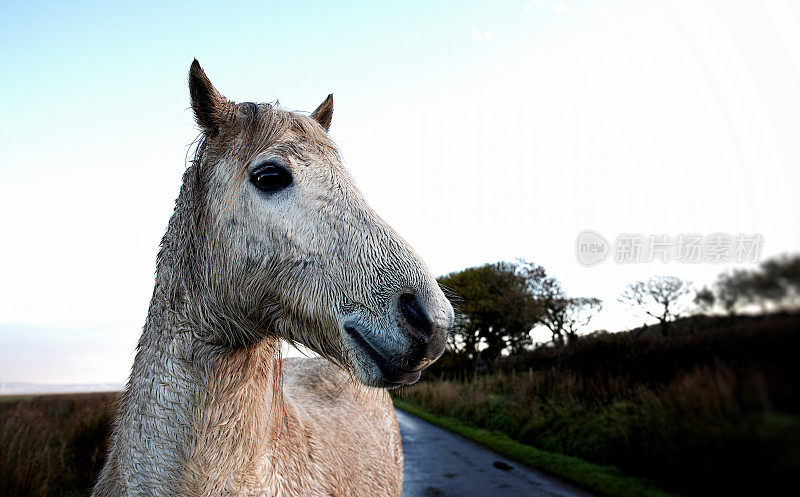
[208, 104]
[324, 113]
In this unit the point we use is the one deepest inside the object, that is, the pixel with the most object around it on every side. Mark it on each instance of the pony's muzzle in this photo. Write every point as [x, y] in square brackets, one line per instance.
[397, 355]
[426, 331]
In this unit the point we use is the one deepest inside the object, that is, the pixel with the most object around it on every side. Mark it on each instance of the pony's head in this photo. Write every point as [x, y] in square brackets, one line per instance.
[283, 244]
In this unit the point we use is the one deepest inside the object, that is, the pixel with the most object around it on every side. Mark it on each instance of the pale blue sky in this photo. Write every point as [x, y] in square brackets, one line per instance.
[480, 130]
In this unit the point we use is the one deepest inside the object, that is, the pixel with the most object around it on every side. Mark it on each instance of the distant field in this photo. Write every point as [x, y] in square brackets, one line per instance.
[53, 445]
[4, 398]
[16, 397]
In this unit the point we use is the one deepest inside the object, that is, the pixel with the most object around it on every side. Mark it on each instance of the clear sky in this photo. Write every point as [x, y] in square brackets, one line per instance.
[481, 131]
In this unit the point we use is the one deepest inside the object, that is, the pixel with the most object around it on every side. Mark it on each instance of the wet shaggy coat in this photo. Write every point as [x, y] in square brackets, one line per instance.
[211, 408]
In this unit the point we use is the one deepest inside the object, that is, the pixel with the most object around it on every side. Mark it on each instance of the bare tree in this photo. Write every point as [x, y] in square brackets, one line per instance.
[577, 314]
[553, 303]
[564, 316]
[554, 317]
[661, 297]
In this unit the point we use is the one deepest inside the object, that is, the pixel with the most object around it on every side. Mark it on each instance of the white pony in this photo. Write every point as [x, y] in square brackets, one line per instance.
[271, 239]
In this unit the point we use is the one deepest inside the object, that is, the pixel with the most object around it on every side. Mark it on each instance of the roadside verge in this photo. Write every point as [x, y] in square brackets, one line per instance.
[602, 480]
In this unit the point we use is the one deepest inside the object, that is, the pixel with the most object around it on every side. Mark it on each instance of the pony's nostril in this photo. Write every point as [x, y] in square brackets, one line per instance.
[415, 316]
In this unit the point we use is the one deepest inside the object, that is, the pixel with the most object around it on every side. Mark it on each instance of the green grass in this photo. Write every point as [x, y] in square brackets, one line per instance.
[603, 480]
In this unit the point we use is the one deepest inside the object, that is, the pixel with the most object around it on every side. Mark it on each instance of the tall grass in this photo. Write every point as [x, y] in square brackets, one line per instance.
[53, 445]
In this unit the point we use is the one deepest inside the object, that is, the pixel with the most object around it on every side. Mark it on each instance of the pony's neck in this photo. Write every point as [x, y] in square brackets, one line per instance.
[196, 417]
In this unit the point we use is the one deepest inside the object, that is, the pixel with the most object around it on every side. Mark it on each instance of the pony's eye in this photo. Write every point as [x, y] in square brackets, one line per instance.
[271, 176]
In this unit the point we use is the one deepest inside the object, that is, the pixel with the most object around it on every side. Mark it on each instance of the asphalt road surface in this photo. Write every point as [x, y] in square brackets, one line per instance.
[441, 464]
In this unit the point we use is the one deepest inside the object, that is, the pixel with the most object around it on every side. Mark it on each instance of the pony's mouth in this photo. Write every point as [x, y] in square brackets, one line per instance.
[393, 374]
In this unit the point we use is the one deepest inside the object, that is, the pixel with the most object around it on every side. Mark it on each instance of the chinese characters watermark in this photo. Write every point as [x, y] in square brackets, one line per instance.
[689, 248]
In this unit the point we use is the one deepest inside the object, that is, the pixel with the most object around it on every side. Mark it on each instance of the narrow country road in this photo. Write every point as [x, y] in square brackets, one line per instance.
[441, 464]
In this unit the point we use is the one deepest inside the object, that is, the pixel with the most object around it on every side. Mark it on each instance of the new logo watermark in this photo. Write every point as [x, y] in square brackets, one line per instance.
[592, 248]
